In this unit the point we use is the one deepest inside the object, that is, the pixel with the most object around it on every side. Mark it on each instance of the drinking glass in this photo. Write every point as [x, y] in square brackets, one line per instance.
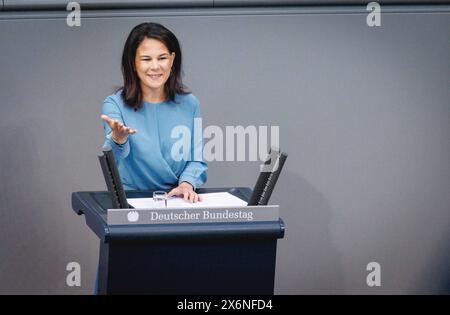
[160, 198]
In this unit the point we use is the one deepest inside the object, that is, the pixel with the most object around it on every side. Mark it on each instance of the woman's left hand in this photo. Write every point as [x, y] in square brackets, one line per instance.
[186, 191]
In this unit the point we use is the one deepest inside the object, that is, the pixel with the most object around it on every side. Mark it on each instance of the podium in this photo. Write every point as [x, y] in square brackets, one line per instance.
[183, 259]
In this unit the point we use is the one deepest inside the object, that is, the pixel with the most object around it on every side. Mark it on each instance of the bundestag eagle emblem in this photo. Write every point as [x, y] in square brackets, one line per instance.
[133, 216]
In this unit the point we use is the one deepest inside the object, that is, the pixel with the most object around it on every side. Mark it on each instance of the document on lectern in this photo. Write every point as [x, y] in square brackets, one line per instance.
[219, 199]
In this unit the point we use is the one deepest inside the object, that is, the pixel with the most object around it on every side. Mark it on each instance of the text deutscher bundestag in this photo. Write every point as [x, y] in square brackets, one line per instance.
[203, 215]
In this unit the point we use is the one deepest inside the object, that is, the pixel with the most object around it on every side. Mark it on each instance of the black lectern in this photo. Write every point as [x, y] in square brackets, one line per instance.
[207, 258]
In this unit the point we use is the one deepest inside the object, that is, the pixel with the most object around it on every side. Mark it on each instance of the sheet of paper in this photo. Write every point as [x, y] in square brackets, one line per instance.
[220, 199]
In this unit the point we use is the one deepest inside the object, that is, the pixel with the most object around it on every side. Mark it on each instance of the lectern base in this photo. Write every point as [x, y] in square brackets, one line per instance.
[206, 267]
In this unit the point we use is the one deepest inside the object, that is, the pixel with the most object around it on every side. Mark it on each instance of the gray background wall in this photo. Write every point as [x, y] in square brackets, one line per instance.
[363, 113]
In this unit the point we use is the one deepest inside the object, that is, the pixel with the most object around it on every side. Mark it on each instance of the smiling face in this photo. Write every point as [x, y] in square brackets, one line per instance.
[153, 64]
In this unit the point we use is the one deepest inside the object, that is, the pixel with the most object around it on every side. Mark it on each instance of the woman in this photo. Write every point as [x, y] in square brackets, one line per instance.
[139, 119]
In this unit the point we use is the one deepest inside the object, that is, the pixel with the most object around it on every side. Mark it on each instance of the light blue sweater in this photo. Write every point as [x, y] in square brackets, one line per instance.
[145, 161]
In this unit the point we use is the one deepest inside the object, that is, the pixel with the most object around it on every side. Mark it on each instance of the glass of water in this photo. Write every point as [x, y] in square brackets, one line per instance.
[160, 199]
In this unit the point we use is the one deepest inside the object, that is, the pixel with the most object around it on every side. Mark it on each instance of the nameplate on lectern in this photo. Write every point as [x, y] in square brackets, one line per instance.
[193, 215]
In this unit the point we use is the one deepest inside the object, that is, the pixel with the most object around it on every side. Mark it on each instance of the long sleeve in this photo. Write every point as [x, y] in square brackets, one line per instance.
[195, 169]
[111, 110]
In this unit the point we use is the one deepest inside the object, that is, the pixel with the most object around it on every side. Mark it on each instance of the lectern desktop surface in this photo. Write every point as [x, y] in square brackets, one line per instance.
[100, 201]
[94, 205]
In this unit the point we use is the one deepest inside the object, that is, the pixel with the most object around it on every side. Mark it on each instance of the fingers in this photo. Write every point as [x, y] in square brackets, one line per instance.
[173, 192]
[117, 126]
[193, 197]
[113, 124]
[105, 118]
[108, 120]
[122, 129]
[188, 195]
[126, 130]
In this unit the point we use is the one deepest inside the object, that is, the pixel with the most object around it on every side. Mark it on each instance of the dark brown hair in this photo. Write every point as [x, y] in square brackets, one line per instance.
[131, 90]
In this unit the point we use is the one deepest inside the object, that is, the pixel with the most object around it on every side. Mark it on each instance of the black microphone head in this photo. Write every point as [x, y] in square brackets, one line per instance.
[268, 176]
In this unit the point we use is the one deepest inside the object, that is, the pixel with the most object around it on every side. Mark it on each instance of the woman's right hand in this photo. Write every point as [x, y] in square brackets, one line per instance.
[120, 132]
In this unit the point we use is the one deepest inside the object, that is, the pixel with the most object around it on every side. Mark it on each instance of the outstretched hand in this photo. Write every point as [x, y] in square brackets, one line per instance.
[186, 191]
[119, 131]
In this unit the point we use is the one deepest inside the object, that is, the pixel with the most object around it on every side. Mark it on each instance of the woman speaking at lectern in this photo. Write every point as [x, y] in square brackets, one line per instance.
[140, 117]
